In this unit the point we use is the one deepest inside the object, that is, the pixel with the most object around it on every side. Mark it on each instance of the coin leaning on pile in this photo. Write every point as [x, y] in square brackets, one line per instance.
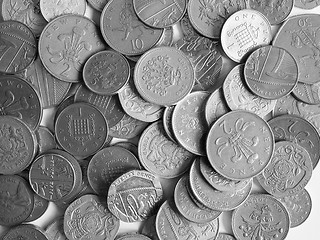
[197, 94]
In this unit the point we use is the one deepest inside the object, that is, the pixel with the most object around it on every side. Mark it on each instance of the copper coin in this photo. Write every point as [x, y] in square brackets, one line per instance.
[81, 129]
[243, 32]
[25, 231]
[45, 139]
[55, 230]
[134, 196]
[164, 76]
[298, 130]
[40, 205]
[106, 72]
[160, 14]
[167, 122]
[161, 156]
[310, 4]
[240, 145]
[271, 72]
[98, 4]
[260, 210]
[18, 47]
[239, 97]
[289, 171]
[66, 43]
[308, 93]
[123, 31]
[17, 145]
[89, 218]
[208, 17]
[16, 200]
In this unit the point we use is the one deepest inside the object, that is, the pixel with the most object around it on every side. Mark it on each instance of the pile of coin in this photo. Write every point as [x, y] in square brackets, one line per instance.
[143, 99]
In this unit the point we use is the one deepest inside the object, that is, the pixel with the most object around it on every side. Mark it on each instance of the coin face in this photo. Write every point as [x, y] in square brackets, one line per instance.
[307, 93]
[306, 4]
[40, 205]
[166, 38]
[240, 145]
[186, 26]
[260, 210]
[98, 4]
[66, 43]
[164, 76]
[167, 122]
[243, 32]
[289, 171]
[25, 231]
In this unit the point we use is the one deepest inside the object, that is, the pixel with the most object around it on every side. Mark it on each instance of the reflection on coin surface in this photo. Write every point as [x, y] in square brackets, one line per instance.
[26, 232]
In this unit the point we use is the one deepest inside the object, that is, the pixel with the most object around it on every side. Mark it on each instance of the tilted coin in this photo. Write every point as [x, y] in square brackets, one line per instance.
[98, 4]
[164, 76]
[66, 43]
[134, 196]
[40, 205]
[45, 139]
[271, 72]
[308, 93]
[16, 200]
[289, 171]
[89, 218]
[243, 32]
[161, 156]
[166, 38]
[65, 103]
[25, 231]
[260, 210]
[133, 148]
[132, 236]
[149, 228]
[167, 122]
[55, 230]
[186, 26]
[240, 145]
[224, 236]
[306, 4]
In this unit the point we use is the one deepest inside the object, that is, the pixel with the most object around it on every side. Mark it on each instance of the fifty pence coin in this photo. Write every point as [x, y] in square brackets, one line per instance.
[25, 231]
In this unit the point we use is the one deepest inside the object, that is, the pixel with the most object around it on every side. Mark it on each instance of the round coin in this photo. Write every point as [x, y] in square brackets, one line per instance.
[98, 4]
[55, 230]
[167, 122]
[224, 236]
[164, 76]
[149, 228]
[186, 26]
[308, 93]
[240, 145]
[129, 146]
[133, 236]
[26, 232]
[46, 140]
[40, 205]
[310, 4]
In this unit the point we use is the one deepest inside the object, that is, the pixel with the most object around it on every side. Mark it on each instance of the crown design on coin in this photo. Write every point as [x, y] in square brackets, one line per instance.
[12, 106]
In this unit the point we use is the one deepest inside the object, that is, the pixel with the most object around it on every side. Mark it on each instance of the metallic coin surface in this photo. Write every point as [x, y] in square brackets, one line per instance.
[160, 14]
[16, 200]
[133, 148]
[271, 72]
[212, 198]
[45, 139]
[149, 228]
[107, 165]
[81, 129]
[208, 17]
[133, 236]
[289, 171]
[308, 93]
[298, 130]
[224, 236]
[260, 210]
[189, 124]
[170, 224]
[55, 230]
[17, 145]
[205, 58]
[301, 32]
[25, 231]
[161, 156]
[239, 97]
[27, 12]
[240, 145]
[106, 72]
[164, 76]
[188, 208]
[306, 4]
[66, 43]
[124, 31]
[167, 122]
[51, 9]
[98, 4]
[243, 32]
[166, 38]
[186, 26]
[299, 207]
[89, 218]
[40, 205]
[134, 196]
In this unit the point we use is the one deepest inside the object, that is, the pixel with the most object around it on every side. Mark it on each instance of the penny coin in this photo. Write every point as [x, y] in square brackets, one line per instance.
[306, 4]
[89, 218]
[81, 129]
[161, 156]
[208, 17]
[167, 122]
[260, 210]
[297, 130]
[16, 200]
[299, 207]
[186, 26]
[106, 72]
[239, 97]
[188, 208]
[124, 31]
[133, 236]
[107, 165]
[129, 146]
[212, 198]
[160, 14]
[308, 93]
[224, 236]
[243, 32]
[55, 230]
[51, 9]
[18, 47]
[25, 231]
[166, 38]
[149, 228]
[271, 72]
[205, 58]
[17, 145]
[98, 4]
[134, 196]
[27, 12]
[66, 43]
[45, 139]
[240, 145]
[164, 76]
[40, 205]
[189, 124]
[170, 224]
[289, 171]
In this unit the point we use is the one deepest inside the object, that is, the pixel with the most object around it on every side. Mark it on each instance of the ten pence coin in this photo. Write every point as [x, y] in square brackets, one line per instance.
[26, 232]
[307, 93]
[240, 145]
